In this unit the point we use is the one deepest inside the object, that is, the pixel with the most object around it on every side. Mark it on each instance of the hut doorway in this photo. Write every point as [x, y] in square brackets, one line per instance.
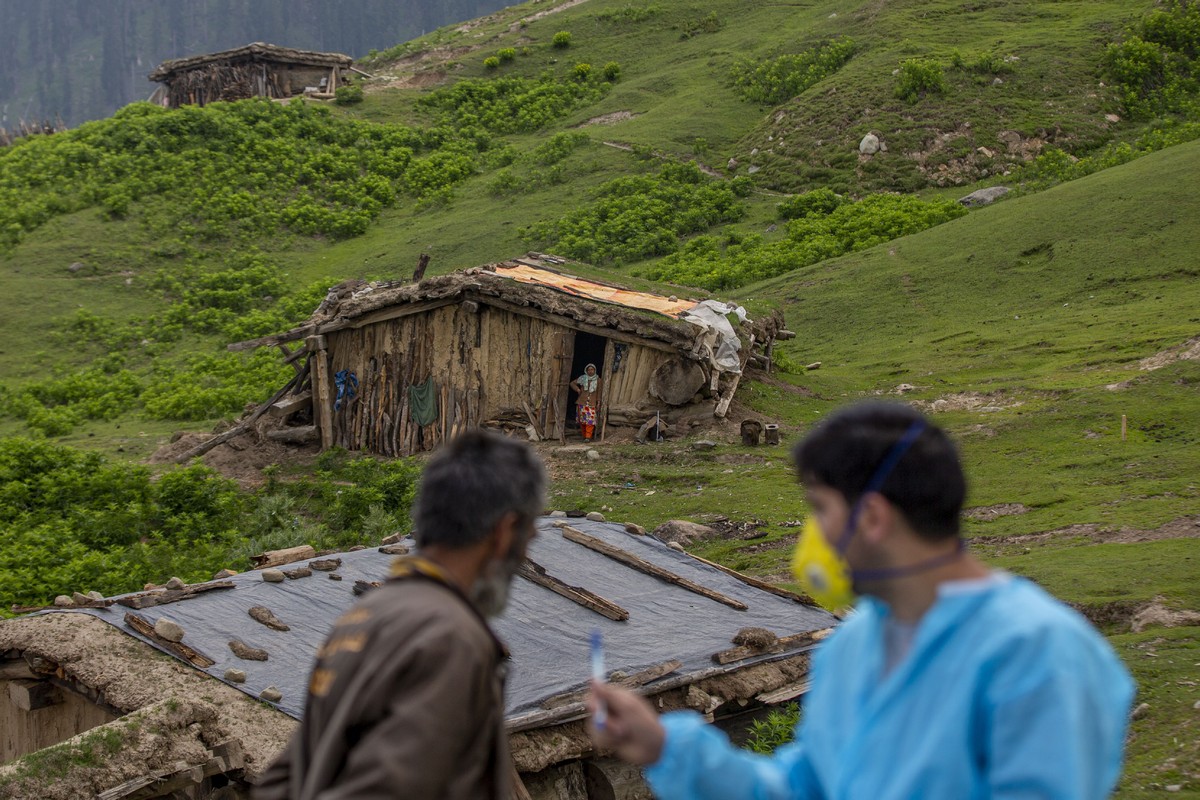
[589, 349]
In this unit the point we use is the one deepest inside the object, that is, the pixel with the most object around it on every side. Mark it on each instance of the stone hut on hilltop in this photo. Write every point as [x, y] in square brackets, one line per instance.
[395, 368]
[96, 702]
[255, 70]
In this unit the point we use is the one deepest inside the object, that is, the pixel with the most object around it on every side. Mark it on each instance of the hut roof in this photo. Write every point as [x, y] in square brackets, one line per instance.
[547, 633]
[258, 51]
[525, 285]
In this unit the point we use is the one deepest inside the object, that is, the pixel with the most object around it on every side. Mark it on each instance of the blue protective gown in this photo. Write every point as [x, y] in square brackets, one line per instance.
[1005, 692]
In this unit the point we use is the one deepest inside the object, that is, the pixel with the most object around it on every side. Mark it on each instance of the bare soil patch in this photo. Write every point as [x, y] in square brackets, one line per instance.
[1181, 528]
[969, 401]
[562, 7]
[1188, 351]
[609, 119]
[989, 513]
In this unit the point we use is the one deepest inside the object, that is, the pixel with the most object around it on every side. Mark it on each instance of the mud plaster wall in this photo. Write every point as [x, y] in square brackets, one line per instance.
[24, 732]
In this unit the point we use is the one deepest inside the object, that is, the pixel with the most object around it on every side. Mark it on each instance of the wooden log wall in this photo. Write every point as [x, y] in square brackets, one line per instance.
[628, 383]
[486, 364]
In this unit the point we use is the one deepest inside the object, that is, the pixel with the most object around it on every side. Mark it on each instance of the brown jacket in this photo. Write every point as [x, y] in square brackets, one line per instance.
[405, 701]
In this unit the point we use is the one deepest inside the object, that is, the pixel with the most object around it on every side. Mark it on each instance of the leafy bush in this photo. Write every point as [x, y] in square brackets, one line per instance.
[919, 77]
[710, 263]
[491, 62]
[225, 171]
[558, 147]
[509, 104]
[71, 520]
[209, 386]
[506, 54]
[582, 71]
[780, 79]
[1056, 166]
[1156, 69]
[709, 23]
[612, 72]
[641, 216]
[779, 728]
[819, 202]
[562, 39]
[348, 95]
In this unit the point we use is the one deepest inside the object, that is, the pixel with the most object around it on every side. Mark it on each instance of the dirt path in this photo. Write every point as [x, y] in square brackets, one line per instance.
[1181, 528]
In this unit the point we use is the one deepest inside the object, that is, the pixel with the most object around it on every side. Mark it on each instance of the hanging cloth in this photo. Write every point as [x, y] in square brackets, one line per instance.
[347, 386]
[422, 402]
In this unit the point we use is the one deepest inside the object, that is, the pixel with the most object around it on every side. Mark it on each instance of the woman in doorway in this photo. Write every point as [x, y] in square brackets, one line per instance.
[588, 386]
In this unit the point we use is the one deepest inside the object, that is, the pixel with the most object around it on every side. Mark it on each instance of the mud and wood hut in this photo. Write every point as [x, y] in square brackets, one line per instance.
[396, 368]
[255, 70]
[152, 714]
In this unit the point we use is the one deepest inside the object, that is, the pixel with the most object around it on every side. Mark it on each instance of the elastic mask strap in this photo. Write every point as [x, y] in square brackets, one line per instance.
[920, 566]
[878, 478]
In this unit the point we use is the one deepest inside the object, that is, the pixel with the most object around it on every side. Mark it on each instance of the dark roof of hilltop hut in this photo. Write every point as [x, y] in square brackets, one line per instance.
[257, 51]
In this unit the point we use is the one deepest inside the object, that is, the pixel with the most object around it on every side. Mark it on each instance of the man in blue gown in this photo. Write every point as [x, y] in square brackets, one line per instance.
[948, 679]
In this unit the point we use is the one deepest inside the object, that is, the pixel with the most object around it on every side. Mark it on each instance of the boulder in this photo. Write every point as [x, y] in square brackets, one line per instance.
[682, 531]
[270, 694]
[595, 516]
[63, 601]
[593, 455]
[984, 196]
[235, 675]
[272, 575]
[175, 584]
[676, 381]
[870, 145]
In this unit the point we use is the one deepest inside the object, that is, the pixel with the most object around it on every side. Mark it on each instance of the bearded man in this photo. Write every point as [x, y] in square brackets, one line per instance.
[406, 697]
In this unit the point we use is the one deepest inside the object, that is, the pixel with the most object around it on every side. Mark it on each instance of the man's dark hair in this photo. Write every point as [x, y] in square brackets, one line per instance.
[927, 484]
[471, 483]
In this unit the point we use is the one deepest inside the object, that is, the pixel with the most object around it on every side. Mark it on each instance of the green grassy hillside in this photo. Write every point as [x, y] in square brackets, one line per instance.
[134, 249]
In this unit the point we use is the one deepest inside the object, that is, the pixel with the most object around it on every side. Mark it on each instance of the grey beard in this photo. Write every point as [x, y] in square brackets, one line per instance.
[489, 593]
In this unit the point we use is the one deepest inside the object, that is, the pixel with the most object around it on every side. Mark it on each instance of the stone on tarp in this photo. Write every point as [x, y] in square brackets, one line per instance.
[266, 617]
[271, 695]
[175, 583]
[246, 652]
[169, 629]
[595, 516]
[235, 675]
[272, 575]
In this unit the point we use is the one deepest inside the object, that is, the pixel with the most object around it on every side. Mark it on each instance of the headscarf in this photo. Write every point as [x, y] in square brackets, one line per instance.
[587, 382]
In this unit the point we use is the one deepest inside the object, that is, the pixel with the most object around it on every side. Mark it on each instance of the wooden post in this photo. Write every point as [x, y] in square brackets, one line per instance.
[605, 377]
[1123, 427]
[322, 406]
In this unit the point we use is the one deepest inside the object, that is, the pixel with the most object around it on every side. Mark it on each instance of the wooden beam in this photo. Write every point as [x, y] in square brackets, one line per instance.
[803, 600]
[288, 555]
[143, 626]
[238, 429]
[17, 669]
[641, 565]
[536, 573]
[610, 352]
[273, 340]
[289, 405]
[519, 792]
[784, 693]
[149, 599]
[634, 681]
[391, 312]
[322, 405]
[568, 322]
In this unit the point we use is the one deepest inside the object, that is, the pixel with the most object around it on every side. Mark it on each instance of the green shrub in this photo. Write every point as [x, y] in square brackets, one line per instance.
[1156, 68]
[211, 386]
[819, 202]
[919, 77]
[712, 264]
[508, 104]
[582, 71]
[612, 72]
[491, 62]
[779, 728]
[348, 95]
[629, 14]
[780, 79]
[709, 23]
[562, 39]
[506, 54]
[558, 147]
[641, 216]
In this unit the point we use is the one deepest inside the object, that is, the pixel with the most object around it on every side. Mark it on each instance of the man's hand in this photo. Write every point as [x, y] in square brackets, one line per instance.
[632, 729]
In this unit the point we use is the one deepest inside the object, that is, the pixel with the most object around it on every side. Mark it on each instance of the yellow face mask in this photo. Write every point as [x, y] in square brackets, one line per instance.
[824, 574]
